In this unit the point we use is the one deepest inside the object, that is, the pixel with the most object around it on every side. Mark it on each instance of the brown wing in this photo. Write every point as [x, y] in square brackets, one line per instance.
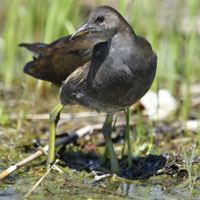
[56, 61]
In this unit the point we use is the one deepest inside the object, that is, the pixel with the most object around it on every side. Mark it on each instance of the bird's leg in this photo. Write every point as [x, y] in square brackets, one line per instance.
[127, 138]
[107, 129]
[127, 113]
[54, 118]
[105, 156]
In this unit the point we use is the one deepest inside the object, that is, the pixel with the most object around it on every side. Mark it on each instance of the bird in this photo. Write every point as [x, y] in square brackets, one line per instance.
[103, 66]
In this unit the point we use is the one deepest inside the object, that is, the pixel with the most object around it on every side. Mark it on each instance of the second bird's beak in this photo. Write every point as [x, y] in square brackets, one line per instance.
[81, 31]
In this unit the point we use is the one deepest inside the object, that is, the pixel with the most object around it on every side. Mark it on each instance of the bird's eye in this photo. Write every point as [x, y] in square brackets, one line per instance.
[100, 18]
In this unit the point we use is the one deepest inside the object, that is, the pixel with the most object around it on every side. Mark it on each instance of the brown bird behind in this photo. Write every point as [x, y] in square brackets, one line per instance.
[54, 62]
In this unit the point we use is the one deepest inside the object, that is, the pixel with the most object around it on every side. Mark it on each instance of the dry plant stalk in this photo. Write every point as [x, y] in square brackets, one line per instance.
[78, 134]
[40, 180]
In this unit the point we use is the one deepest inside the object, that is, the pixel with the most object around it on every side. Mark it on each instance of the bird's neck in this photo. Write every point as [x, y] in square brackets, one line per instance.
[126, 29]
[125, 35]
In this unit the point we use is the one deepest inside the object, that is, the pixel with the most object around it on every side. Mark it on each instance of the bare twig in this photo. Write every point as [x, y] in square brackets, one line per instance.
[98, 178]
[79, 133]
[41, 179]
[20, 164]
[66, 116]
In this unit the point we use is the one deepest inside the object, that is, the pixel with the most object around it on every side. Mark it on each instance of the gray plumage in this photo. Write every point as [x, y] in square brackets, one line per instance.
[121, 70]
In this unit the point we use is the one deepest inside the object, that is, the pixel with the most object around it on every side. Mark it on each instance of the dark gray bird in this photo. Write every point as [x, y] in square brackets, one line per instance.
[113, 69]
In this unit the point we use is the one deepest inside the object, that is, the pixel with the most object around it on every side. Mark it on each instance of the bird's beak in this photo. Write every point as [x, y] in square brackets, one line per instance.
[83, 30]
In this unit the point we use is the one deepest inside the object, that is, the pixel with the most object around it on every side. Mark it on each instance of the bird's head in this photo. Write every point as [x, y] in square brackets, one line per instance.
[104, 21]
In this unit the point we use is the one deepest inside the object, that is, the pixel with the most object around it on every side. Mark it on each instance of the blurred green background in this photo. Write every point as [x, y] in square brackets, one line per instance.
[171, 26]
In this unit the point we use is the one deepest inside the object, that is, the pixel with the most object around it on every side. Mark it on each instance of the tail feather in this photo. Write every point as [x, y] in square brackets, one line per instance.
[42, 66]
[36, 49]
[29, 69]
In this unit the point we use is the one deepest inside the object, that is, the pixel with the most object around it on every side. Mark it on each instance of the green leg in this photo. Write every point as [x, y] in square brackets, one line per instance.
[127, 138]
[107, 129]
[105, 156]
[54, 118]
